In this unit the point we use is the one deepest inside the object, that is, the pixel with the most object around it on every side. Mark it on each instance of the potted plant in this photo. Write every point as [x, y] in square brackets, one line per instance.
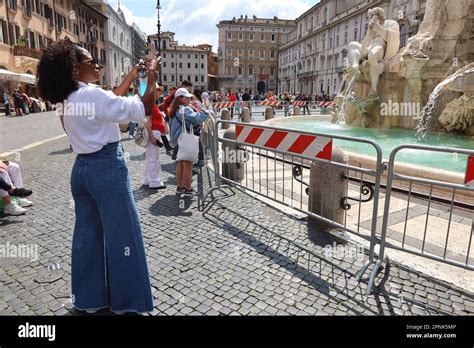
[21, 41]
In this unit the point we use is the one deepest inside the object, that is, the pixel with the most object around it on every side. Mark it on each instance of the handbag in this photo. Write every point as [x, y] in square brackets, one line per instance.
[188, 143]
[141, 136]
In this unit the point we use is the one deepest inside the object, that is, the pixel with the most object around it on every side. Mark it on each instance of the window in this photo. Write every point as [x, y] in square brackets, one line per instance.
[273, 37]
[180, 65]
[3, 32]
[172, 64]
[189, 65]
[172, 78]
[202, 65]
[195, 56]
[251, 53]
[262, 70]
[195, 65]
[229, 35]
[272, 71]
[228, 70]
[241, 36]
[189, 56]
[11, 4]
[164, 64]
[241, 52]
[172, 55]
[345, 37]
[229, 52]
[251, 37]
[240, 71]
[164, 45]
[355, 34]
[202, 78]
[164, 55]
[189, 78]
[181, 78]
[262, 53]
[165, 78]
[196, 79]
[262, 37]
[250, 70]
[202, 56]
[180, 56]
[404, 35]
[272, 53]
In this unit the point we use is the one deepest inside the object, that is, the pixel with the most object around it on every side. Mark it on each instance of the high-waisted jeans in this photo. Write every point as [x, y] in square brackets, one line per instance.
[109, 268]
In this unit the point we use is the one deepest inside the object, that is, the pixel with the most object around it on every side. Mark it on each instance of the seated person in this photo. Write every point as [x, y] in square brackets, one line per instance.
[10, 173]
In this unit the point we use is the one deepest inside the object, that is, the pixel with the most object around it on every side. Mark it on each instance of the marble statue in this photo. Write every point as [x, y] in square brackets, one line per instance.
[381, 42]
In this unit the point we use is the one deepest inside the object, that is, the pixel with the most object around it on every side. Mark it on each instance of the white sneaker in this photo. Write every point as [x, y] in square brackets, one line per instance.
[131, 137]
[23, 202]
[14, 210]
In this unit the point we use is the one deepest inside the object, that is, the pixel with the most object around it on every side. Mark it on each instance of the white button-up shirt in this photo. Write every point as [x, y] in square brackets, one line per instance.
[92, 117]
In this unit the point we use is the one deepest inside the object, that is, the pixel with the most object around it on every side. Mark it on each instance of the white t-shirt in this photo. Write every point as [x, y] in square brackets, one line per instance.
[92, 117]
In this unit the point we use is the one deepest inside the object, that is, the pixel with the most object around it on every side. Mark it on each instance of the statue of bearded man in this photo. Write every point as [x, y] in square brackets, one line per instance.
[381, 42]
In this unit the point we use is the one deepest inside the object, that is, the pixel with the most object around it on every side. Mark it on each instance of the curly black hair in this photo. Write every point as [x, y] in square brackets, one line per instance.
[57, 71]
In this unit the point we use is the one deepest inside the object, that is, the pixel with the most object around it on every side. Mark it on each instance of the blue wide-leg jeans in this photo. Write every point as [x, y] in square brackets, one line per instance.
[109, 268]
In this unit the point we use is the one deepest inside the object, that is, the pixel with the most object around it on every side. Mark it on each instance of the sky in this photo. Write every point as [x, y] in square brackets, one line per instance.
[194, 21]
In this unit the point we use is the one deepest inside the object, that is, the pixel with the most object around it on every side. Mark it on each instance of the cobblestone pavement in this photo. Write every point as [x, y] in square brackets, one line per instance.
[17, 132]
[239, 257]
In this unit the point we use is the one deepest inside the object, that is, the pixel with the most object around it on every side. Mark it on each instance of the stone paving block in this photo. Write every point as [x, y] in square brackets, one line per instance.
[193, 261]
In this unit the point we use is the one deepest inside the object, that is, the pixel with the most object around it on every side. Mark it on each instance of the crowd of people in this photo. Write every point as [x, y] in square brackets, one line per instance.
[19, 103]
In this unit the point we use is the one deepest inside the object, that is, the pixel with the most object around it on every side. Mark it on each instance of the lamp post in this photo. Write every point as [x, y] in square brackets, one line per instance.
[158, 47]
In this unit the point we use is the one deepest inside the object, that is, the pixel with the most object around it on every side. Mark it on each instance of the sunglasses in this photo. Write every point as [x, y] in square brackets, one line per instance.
[93, 62]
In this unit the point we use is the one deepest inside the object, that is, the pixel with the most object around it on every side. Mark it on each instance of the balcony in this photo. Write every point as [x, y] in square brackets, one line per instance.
[26, 51]
[91, 39]
[225, 77]
[305, 74]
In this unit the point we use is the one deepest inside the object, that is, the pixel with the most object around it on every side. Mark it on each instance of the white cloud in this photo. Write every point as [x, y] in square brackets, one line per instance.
[194, 22]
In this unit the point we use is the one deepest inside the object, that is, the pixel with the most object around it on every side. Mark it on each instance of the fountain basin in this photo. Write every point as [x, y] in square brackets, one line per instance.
[388, 139]
[422, 164]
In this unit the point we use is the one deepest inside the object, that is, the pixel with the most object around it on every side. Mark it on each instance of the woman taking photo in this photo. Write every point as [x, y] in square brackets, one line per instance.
[180, 109]
[156, 127]
[108, 268]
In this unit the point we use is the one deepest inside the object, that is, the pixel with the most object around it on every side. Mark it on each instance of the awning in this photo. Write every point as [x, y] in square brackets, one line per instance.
[6, 75]
[210, 75]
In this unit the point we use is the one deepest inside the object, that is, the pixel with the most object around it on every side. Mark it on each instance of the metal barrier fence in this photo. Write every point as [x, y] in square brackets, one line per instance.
[257, 109]
[282, 175]
[429, 240]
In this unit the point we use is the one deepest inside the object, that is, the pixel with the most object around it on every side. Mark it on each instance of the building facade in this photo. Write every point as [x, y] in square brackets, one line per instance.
[311, 60]
[118, 44]
[212, 67]
[139, 40]
[29, 26]
[181, 62]
[248, 52]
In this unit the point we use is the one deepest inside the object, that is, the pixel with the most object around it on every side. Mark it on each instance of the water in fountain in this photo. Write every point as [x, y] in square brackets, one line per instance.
[350, 95]
[427, 112]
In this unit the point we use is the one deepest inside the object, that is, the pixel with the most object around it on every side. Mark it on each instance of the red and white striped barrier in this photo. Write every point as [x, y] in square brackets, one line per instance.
[469, 181]
[269, 103]
[299, 103]
[293, 142]
[326, 104]
[223, 105]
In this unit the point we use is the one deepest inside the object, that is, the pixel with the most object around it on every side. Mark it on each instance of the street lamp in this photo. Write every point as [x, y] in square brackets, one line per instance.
[158, 47]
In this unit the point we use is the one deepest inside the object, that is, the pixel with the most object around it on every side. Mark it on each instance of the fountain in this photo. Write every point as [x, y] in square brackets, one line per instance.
[421, 93]
[435, 59]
